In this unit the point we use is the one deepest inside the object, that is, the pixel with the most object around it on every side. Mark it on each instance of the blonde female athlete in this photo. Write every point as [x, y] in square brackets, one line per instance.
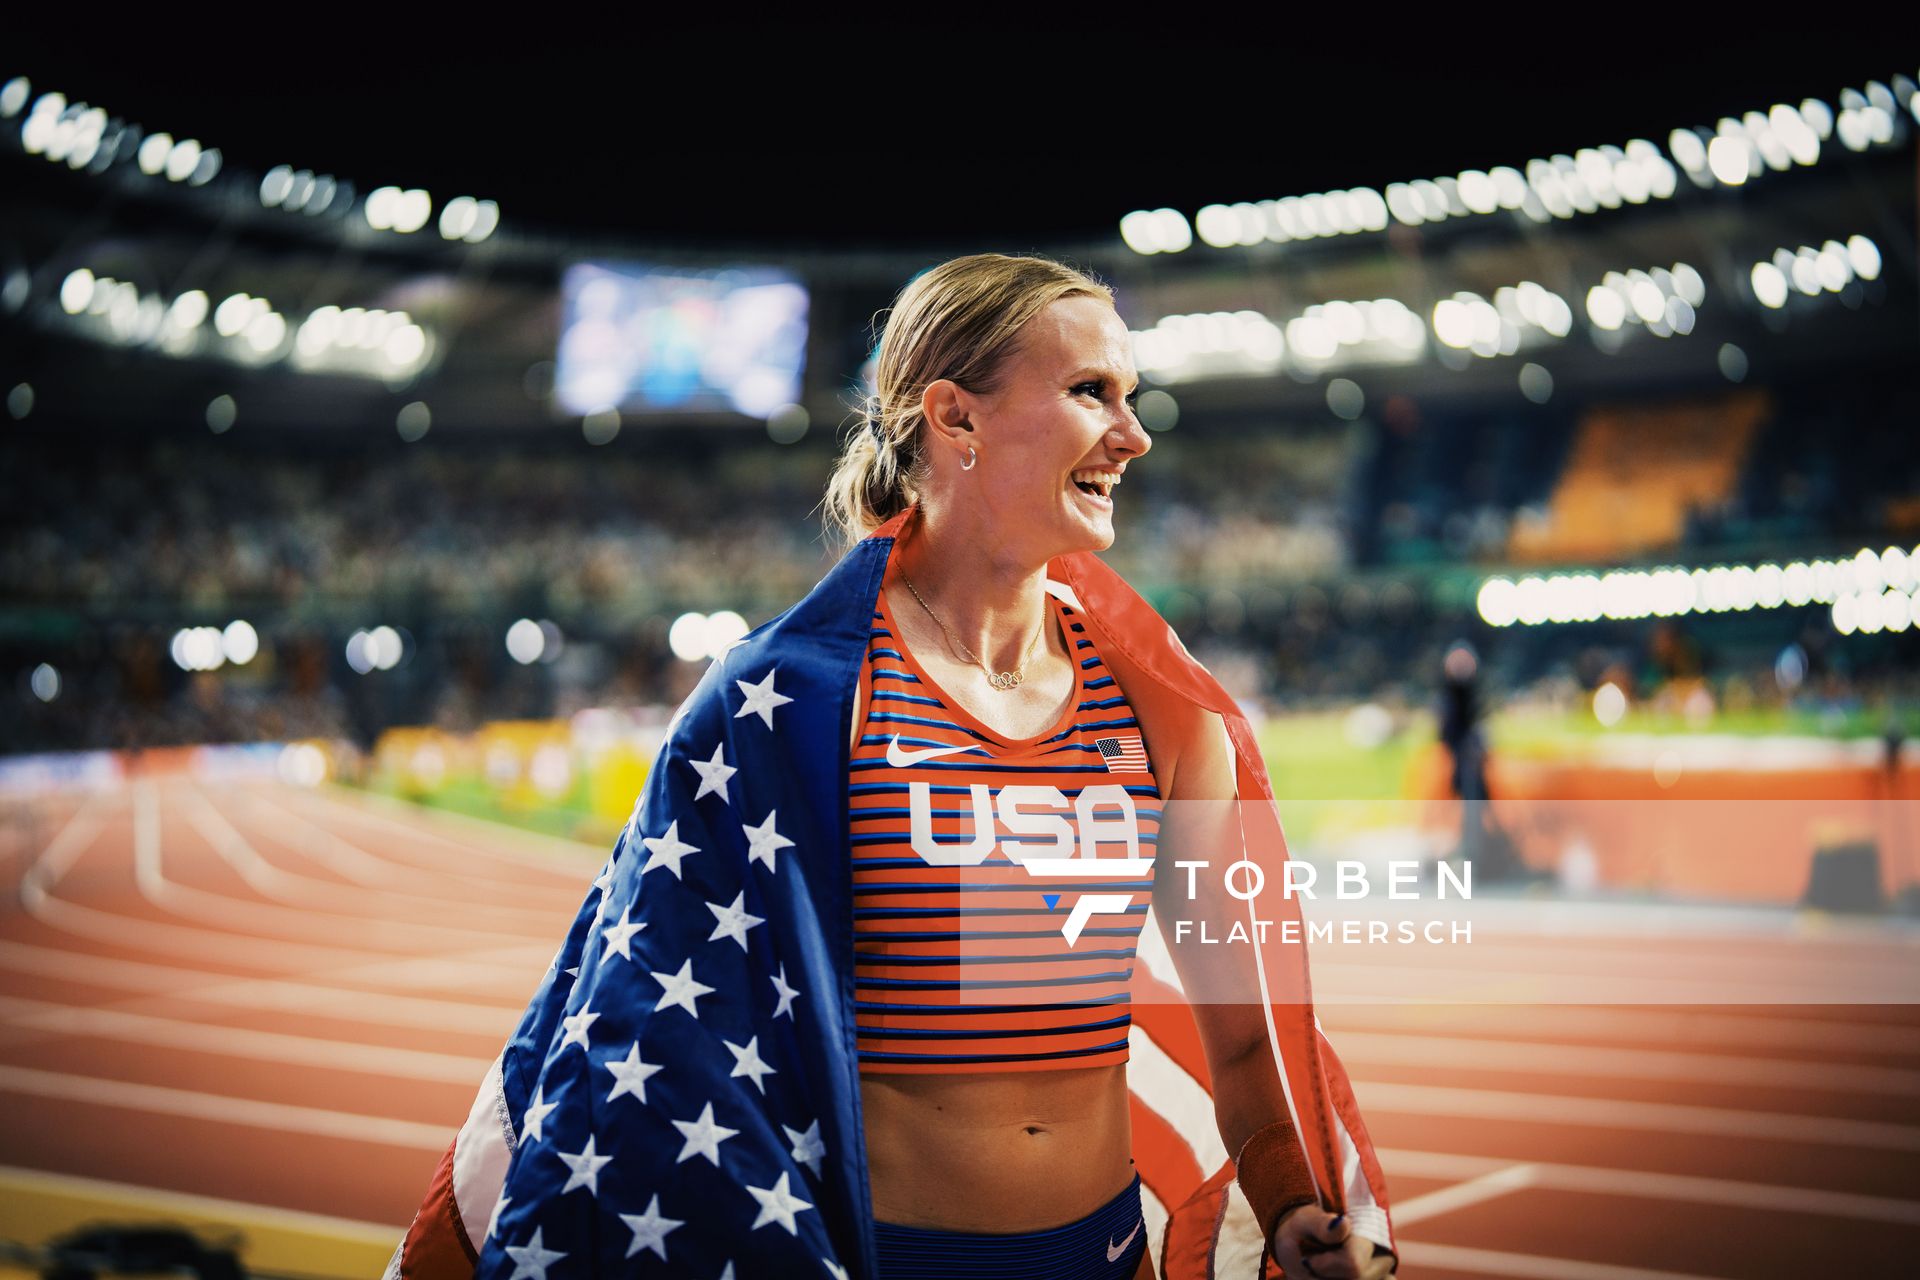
[998, 1136]
[943, 1093]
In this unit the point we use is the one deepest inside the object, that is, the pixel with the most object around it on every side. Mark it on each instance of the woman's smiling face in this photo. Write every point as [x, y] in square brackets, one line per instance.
[1065, 405]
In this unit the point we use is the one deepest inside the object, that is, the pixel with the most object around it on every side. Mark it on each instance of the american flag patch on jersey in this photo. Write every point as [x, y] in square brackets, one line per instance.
[1123, 755]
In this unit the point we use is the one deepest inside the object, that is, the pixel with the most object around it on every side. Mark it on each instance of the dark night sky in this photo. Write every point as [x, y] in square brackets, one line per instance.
[808, 136]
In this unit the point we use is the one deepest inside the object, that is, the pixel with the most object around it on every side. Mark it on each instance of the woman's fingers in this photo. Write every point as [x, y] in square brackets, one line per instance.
[1336, 1264]
[1379, 1267]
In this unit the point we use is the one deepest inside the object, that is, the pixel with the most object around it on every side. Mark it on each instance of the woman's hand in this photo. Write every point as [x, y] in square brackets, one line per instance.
[1310, 1242]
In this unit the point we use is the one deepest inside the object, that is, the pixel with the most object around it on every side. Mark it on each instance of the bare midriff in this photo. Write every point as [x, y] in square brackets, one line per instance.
[1000, 1152]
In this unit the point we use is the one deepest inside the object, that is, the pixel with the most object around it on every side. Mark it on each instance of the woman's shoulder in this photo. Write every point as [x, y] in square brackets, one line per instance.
[1186, 742]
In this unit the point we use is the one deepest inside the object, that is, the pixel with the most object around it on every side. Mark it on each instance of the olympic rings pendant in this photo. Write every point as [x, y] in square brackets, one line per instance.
[1005, 680]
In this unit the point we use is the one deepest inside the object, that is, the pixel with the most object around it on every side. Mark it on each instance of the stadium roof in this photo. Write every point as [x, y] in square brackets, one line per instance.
[808, 137]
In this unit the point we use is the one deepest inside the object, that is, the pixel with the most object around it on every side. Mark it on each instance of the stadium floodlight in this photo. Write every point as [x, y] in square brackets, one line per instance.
[525, 640]
[1769, 285]
[239, 642]
[1863, 254]
[188, 311]
[76, 291]
[687, 637]
[413, 421]
[276, 186]
[458, 217]
[181, 159]
[486, 220]
[302, 764]
[1605, 307]
[1730, 157]
[381, 207]
[13, 96]
[1150, 231]
[153, 153]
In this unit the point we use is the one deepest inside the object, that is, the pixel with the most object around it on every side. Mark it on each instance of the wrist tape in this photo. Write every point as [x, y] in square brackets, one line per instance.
[1273, 1172]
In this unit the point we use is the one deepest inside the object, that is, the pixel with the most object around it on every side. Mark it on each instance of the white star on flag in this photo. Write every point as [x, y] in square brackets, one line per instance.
[667, 850]
[777, 1204]
[532, 1258]
[761, 698]
[785, 992]
[631, 1075]
[602, 882]
[499, 1207]
[747, 1062]
[807, 1147]
[650, 1229]
[726, 1272]
[834, 1269]
[586, 1168]
[620, 935]
[764, 841]
[714, 774]
[734, 920]
[536, 1116]
[703, 1137]
[577, 1025]
[681, 989]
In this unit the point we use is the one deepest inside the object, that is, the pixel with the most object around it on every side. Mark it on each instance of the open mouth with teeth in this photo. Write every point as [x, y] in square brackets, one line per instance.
[1099, 484]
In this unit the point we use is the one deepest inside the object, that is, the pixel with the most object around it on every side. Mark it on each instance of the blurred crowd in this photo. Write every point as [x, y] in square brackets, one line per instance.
[1300, 563]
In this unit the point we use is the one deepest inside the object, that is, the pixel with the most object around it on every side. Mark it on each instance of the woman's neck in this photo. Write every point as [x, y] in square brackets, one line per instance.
[992, 600]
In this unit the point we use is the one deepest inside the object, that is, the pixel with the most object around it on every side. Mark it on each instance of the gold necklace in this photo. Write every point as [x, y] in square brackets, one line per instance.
[1005, 679]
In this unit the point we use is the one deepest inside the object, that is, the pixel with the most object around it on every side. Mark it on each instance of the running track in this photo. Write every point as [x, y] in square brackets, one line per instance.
[282, 1000]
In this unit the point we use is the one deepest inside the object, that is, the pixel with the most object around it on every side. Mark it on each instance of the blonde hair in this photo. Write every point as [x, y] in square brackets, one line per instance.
[961, 321]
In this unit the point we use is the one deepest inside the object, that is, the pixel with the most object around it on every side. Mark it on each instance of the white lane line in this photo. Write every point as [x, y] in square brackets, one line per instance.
[1668, 1028]
[147, 874]
[1610, 1113]
[72, 840]
[239, 1042]
[1388, 1049]
[1488, 1262]
[504, 969]
[503, 844]
[151, 1201]
[1541, 979]
[349, 907]
[277, 1116]
[1645, 1185]
[352, 862]
[1487, 1186]
[266, 995]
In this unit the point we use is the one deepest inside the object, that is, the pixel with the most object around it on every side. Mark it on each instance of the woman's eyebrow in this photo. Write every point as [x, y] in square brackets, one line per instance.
[1099, 372]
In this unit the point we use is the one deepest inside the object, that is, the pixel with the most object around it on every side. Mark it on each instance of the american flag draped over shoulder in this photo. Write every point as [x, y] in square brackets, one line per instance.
[681, 1096]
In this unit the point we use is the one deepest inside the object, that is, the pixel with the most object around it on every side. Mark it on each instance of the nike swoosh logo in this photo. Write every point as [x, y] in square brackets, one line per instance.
[900, 759]
[1115, 1250]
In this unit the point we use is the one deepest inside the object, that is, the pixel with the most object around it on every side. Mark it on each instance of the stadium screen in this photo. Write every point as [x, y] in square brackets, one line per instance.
[663, 340]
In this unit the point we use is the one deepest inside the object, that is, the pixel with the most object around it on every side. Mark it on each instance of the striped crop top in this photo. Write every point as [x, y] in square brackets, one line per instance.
[962, 958]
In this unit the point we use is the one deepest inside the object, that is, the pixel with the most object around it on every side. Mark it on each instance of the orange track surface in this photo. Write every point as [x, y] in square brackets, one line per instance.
[287, 998]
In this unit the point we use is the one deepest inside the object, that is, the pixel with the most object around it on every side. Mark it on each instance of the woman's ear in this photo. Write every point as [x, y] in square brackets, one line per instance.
[945, 406]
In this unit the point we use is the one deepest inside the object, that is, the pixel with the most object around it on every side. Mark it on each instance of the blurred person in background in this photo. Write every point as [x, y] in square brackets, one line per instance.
[996, 1139]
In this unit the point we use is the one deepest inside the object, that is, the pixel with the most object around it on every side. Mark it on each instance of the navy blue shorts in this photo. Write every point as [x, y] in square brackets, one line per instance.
[1104, 1245]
